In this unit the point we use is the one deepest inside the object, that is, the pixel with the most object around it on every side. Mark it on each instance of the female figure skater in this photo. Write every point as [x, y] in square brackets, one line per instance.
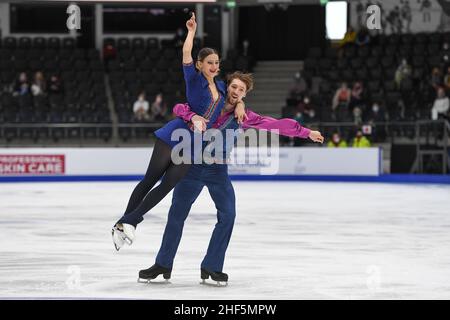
[215, 177]
[206, 96]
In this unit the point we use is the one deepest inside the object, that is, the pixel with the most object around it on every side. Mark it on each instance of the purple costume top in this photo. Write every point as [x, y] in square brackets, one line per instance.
[285, 126]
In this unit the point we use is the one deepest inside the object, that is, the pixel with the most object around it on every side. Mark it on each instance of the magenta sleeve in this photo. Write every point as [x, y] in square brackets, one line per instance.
[285, 127]
[183, 111]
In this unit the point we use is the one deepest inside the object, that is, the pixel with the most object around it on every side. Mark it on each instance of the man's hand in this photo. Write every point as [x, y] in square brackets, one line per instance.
[316, 136]
[199, 122]
[239, 112]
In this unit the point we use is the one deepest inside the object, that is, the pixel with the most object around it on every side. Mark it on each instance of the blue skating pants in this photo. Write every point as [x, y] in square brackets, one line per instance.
[215, 178]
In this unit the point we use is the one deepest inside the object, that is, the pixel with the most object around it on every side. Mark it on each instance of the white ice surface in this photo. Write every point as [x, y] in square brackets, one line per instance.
[292, 240]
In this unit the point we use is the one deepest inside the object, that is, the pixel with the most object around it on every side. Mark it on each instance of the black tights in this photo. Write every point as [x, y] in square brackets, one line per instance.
[144, 197]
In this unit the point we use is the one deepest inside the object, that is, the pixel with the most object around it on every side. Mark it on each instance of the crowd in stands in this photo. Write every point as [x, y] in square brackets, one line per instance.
[50, 80]
[365, 79]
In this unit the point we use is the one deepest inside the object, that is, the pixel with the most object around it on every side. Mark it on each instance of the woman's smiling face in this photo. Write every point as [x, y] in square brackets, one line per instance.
[209, 66]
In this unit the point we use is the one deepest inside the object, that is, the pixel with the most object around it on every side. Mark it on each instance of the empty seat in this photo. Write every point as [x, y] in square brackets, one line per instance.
[152, 43]
[372, 62]
[68, 43]
[314, 52]
[39, 43]
[138, 43]
[363, 51]
[123, 43]
[9, 43]
[53, 43]
[24, 43]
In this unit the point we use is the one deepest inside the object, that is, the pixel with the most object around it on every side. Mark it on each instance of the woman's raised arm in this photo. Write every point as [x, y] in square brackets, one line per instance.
[191, 25]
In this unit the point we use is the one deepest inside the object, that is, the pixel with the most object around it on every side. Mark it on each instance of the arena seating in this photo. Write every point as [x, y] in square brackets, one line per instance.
[82, 100]
[375, 65]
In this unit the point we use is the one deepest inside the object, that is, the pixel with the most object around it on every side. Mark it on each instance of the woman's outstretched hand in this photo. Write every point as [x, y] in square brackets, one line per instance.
[316, 136]
[191, 24]
[199, 122]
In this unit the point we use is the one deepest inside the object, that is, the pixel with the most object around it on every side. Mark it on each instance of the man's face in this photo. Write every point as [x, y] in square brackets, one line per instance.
[236, 91]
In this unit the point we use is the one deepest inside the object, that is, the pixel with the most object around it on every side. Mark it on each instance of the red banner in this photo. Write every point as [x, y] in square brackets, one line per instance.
[19, 164]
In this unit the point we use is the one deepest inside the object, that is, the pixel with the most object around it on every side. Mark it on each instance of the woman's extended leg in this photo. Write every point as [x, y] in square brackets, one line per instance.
[159, 163]
[174, 173]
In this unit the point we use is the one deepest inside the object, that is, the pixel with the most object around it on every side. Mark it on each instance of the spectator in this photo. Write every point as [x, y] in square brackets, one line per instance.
[356, 98]
[245, 48]
[140, 108]
[436, 78]
[299, 118]
[299, 87]
[349, 37]
[341, 100]
[360, 141]
[54, 85]
[440, 105]
[39, 86]
[22, 86]
[447, 79]
[109, 52]
[362, 37]
[375, 115]
[403, 71]
[406, 14]
[159, 108]
[307, 109]
[357, 115]
[336, 142]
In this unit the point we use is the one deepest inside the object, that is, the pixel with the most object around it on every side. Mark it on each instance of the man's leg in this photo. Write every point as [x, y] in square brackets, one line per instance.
[222, 193]
[184, 195]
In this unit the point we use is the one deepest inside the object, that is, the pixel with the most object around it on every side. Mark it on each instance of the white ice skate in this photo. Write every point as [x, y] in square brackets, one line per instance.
[123, 233]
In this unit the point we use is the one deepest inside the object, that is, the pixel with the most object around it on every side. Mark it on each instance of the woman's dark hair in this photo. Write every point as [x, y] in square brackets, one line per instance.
[203, 53]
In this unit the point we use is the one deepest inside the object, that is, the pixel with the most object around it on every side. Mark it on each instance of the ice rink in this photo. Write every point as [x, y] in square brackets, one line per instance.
[292, 240]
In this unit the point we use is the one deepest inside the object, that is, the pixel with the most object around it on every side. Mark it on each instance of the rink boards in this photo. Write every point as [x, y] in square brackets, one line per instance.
[244, 162]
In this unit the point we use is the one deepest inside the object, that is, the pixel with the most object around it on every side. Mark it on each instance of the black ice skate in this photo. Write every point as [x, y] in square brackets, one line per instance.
[145, 276]
[220, 278]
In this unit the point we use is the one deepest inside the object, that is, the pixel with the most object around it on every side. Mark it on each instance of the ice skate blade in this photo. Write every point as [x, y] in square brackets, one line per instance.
[152, 281]
[128, 241]
[217, 284]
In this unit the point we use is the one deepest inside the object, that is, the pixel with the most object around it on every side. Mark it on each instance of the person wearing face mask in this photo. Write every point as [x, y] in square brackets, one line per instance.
[374, 116]
[360, 141]
[307, 109]
[140, 108]
[206, 96]
[440, 105]
[447, 79]
[403, 71]
[22, 85]
[299, 87]
[159, 108]
[336, 142]
[436, 78]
